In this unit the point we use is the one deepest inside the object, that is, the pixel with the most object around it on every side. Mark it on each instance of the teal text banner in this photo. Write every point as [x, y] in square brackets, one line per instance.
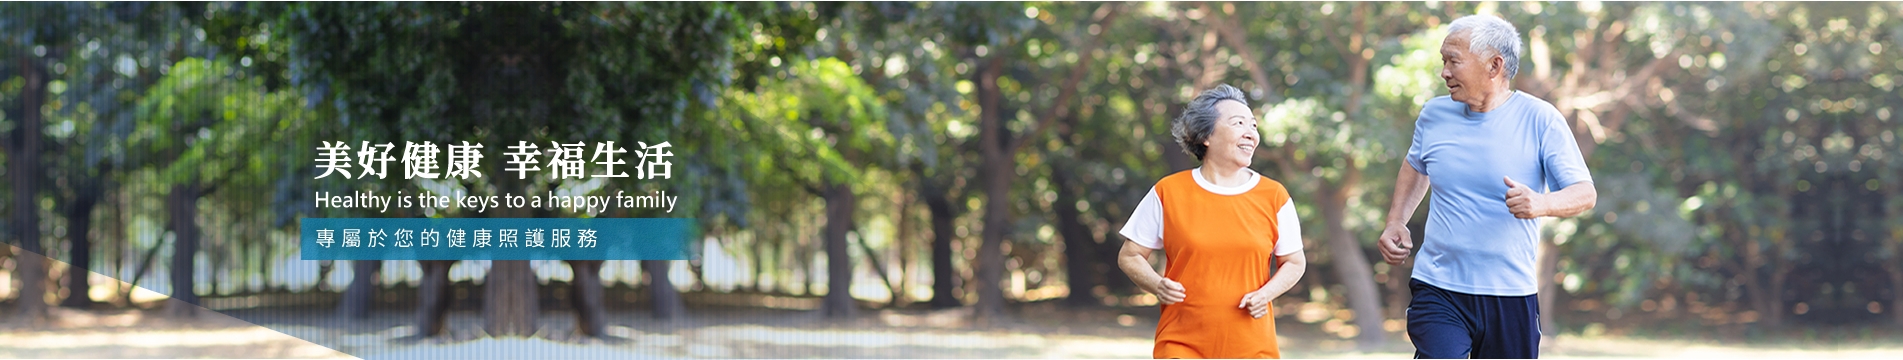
[498, 239]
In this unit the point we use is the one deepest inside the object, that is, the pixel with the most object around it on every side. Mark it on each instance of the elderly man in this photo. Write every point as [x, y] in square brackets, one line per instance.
[1491, 157]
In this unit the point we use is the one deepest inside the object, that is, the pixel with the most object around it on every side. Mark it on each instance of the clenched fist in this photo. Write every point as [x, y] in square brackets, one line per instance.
[1523, 202]
[1395, 244]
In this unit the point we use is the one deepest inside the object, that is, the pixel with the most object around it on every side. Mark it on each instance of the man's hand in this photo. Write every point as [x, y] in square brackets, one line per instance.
[1169, 291]
[1396, 243]
[1523, 202]
[1257, 303]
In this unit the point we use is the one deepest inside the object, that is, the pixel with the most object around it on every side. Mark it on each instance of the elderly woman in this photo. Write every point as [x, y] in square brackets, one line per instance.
[1223, 228]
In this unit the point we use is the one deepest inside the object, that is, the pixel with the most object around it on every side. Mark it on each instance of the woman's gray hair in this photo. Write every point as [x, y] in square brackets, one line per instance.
[1199, 119]
[1490, 36]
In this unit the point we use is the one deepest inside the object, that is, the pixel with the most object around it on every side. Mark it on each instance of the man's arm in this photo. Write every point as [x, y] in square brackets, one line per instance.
[1568, 202]
[1410, 186]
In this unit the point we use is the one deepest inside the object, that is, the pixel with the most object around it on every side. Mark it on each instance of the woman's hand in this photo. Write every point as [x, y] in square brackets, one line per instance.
[1257, 303]
[1135, 261]
[1170, 291]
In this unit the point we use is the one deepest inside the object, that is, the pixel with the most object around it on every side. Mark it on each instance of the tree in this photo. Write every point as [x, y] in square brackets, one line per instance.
[232, 118]
[76, 65]
[998, 147]
[466, 72]
[24, 147]
[1337, 142]
[916, 77]
[818, 110]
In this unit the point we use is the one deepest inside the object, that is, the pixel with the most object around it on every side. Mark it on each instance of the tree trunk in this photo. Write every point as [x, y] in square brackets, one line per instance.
[23, 165]
[78, 274]
[324, 269]
[1760, 297]
[590, 313]
[878, 267]
[1112, 243]
[839, 209]
[1398, 295]
[263, 260]
[666, 299]
[362, 292]
[433, 297]
[1776, 291]
[1363, 294]
[145, 266]
[215, 254]
[86, 197]
[995, 171]
[123, 252]
[779, 275]
[759, 265]
[1084, 261]
[1548, 291]
[1896, 287]
[1082, 264]
[183, 204]
[31, 305]
[901, 293]
[1548, 268]
[1352, 267]
[803, 251]
[944, 276]
[510, 303]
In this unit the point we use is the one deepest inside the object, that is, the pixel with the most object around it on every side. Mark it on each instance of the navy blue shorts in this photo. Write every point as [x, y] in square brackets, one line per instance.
[1445, 325]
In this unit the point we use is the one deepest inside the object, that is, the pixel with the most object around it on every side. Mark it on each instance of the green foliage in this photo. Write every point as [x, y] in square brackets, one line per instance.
[821, 113]
[217, 122]
[1744, 153]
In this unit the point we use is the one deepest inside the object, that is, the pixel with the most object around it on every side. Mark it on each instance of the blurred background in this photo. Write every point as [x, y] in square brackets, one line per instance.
[925, 179]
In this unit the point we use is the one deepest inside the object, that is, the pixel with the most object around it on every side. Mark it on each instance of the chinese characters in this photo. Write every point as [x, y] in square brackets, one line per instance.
[563, 161]
[431, 238]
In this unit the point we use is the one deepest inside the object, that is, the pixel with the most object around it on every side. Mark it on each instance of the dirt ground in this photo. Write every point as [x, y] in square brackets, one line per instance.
[1039, 331]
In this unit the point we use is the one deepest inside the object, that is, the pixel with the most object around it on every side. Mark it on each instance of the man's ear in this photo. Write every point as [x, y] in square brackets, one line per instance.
[1496, 65]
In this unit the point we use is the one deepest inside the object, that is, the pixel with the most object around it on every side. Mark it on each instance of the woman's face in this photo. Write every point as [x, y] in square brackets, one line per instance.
[1234, 138]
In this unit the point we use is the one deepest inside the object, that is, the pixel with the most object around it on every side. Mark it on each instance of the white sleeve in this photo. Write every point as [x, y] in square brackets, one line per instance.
[1145, 226]
[1288, 230]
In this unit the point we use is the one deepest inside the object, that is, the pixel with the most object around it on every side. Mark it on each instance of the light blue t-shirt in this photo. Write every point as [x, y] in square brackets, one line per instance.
[1474, 245]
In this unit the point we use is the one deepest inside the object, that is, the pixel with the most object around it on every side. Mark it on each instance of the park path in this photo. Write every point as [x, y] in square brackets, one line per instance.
[725, 334]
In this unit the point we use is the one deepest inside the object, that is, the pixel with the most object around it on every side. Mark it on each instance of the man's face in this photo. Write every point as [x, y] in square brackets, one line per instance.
[1468, 75]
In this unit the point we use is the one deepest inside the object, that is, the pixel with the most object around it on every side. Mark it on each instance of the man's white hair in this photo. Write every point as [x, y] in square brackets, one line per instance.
[1490, 35]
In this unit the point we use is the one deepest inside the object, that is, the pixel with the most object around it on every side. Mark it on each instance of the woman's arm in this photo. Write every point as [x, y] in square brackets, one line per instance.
[1289, 269]
[1135, 261]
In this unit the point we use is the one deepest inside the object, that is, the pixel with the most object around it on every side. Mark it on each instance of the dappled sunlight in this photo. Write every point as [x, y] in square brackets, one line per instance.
[1573, 346]
[867, 338]
[514, 348]
[744, 333]
[66, 318]
[160, 338]
[113, 336]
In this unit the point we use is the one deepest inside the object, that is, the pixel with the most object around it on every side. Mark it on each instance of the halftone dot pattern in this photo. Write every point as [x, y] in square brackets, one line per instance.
[160, 156]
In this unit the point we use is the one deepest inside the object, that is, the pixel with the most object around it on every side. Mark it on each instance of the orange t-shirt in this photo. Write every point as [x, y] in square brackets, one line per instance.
[1220, 247]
